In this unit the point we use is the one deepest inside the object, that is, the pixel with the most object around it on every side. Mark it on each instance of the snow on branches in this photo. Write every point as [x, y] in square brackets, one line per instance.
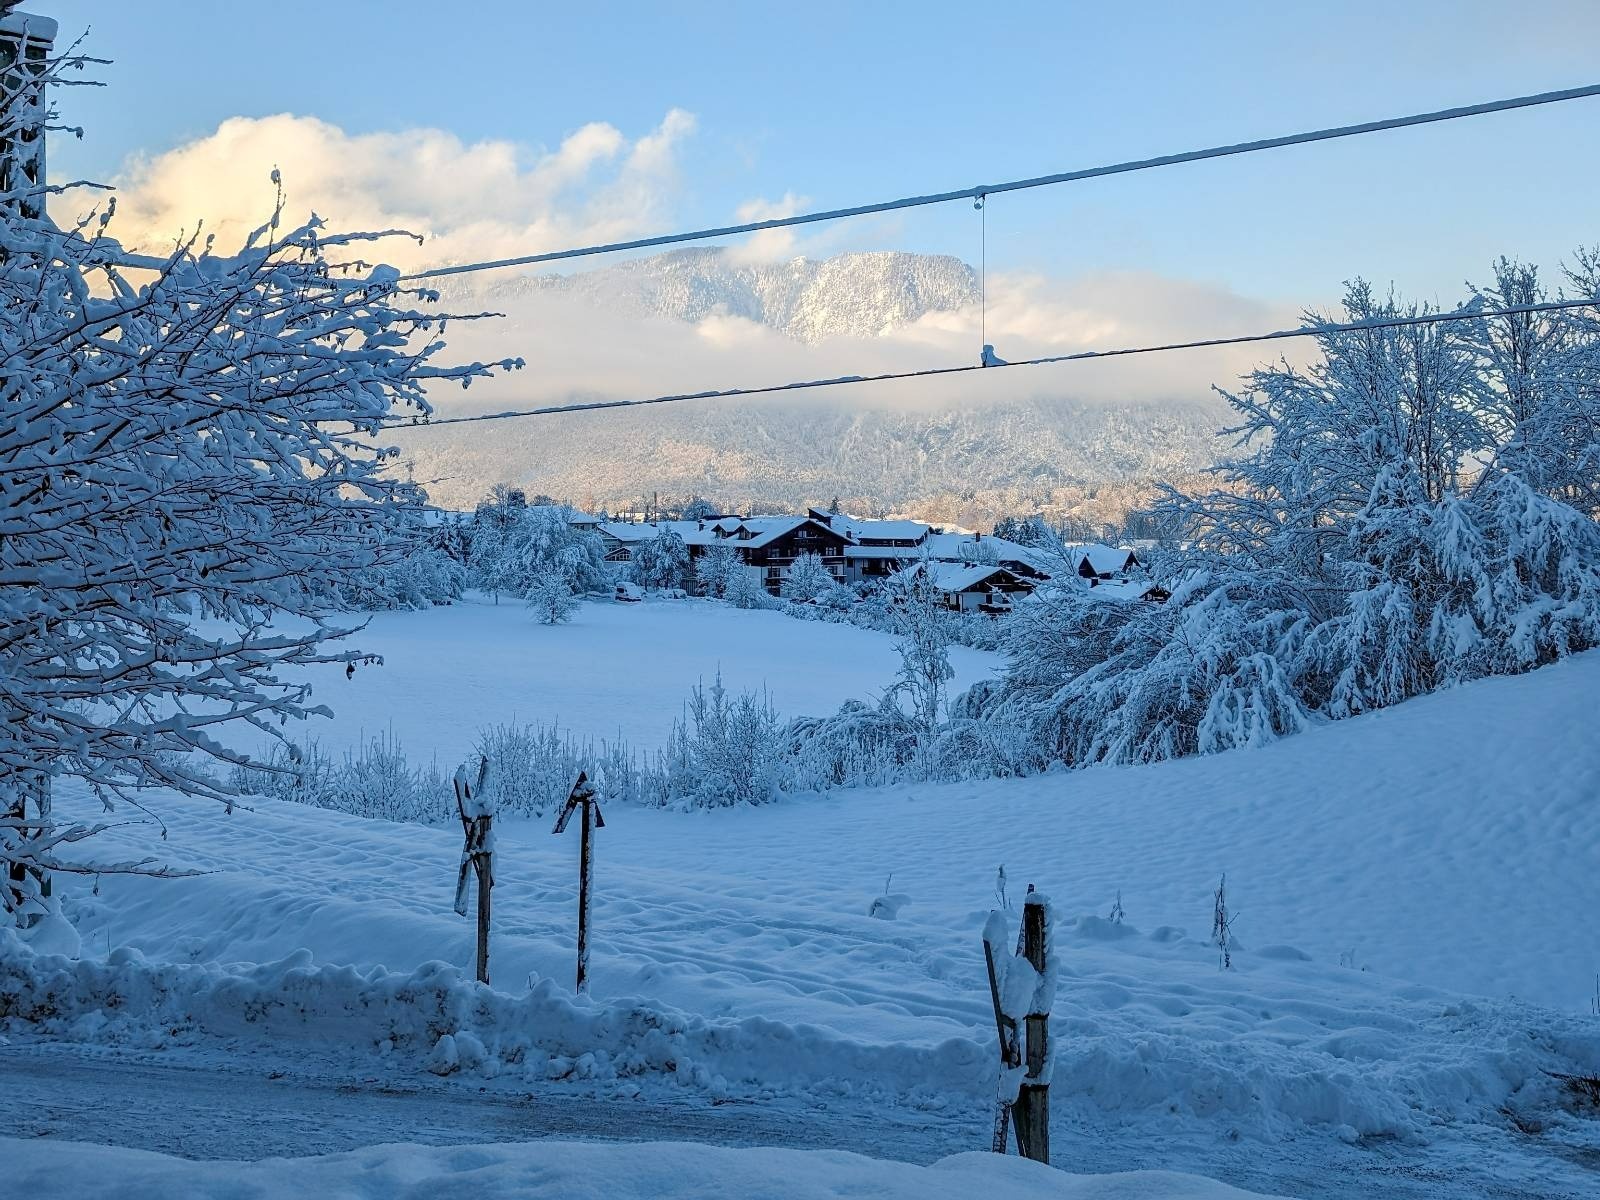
[1414, 509]
[188, 468]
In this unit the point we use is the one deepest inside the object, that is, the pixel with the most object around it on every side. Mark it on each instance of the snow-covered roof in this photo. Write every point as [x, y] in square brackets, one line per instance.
[881, 531]
[628, 531]
[765, 530]
[1126, 589]
[693, 533]
[574, 516]
[963, 547]
[39, 28]
[1102, 560]
[955, 576]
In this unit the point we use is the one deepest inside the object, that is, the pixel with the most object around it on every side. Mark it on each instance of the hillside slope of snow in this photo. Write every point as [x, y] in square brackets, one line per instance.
[1413, 891]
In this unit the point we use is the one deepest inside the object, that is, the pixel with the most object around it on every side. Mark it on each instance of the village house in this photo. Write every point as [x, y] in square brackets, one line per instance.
[972, 587]
[861, 550]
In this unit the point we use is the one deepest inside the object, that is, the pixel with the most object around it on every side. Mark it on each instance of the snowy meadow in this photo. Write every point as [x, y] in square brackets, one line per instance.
[1295, 808]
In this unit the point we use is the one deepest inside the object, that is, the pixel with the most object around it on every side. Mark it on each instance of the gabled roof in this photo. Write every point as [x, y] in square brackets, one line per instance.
[964, 547]
[1102, 560]
[765, 530]
[628, 531]
[954, 576]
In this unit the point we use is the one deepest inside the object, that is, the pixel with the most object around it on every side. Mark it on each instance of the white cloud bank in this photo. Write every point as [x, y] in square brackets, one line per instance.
[471, 201]
[493, 199]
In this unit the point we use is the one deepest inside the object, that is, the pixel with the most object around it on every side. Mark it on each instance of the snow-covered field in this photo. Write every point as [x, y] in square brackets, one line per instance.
[575, 1171]
[1415, 893]
[614, 668]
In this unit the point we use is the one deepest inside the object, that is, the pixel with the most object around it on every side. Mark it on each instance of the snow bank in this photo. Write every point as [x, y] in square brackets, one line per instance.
[445, 1021]
[550, 1170]
[1362, 1074]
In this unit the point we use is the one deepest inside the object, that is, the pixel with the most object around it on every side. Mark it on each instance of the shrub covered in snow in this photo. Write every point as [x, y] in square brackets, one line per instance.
[374, 781]
[535, 766]
[725, 750]
[550, 598]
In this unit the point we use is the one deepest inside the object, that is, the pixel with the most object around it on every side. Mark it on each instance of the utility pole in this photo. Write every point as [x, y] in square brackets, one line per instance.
[25, 43]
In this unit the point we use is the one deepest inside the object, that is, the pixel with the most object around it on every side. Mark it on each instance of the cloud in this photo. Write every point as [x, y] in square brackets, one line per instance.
[770, 245]
[471, 201]
[576, 350]
[492, 199]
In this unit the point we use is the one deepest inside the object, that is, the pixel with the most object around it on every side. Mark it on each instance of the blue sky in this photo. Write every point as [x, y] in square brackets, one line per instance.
[844, 102]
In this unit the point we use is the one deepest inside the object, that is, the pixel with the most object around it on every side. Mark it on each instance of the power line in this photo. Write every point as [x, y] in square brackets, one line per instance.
[1080, 356]
[1017, 185]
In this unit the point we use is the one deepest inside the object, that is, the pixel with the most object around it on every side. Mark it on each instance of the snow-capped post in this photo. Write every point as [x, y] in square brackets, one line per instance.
[583, 795]
[1033, 1100]
[1022, 987]
[477, 852]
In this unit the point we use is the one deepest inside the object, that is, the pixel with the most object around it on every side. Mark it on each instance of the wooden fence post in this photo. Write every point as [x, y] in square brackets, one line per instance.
[1010, 1055]
[1029, 1113]
[583, 796]
[1033, 1101]
[38, 785]
[477, 854]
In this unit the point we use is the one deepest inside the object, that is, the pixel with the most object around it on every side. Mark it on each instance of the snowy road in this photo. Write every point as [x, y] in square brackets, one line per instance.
[247, 1103]
[206, 1105]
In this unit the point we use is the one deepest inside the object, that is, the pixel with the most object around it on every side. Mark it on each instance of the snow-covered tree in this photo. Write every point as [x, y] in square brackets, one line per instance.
[540, 543]
[716, 569]
[923, 640]
[1415, 508]
[186, 456]
[745, 589]
[550, 598]
[699, 510]
[808, 580]
[661, 561]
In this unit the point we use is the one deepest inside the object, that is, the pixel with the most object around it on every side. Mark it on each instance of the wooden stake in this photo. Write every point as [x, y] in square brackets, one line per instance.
[477, 856]
[1033, 1100]
[583, 796]
[28, 831]
[1010, 1057]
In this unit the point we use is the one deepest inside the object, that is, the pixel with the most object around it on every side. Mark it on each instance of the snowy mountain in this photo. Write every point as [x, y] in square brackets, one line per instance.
[785, 454]
[850, 295]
